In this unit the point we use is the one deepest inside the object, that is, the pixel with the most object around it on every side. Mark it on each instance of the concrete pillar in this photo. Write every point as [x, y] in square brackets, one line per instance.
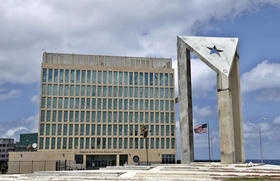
[117, 160]
[185, 103]
[237, 113]
[227, 145]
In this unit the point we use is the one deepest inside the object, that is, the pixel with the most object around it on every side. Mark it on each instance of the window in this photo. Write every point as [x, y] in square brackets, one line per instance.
[161, 79]
[66, 76]
[110, 91]
[47, 143]
[109, 130]
[59, 116]
[49, 89]
[166, 93]
[115, 77]
[135, 91]
[83, 76]
[120, 78]
[157, 130]
[41, 129]
[55, 90]
[98, 130]
[172, 130]
[93, 130]
[120, 130]
[88, 76]
[93, 115]
[104, 77]
[115, 130]
[120, 143]
[55, 75]
[65, 103]
[77, 90]
[76, 116]
[77, 76]
[141, 143]
[44, 75]
[50, 75]
[135, 78]
[104, 129]
[151, 79]
[171, 93]
[103, 143]
[53, 144]
[70, 145]
[43, 102]
[54, 116]
[125, 143]
[125, 130]
[131, 130]
[152, 143]
[76, 129]
[70, 129]
[115, 143]
[44, 89]
[93, 143]
[48, 116]
[130, 143]
[64, 143]
[162, 143]
[87, 143]
[136, 104]
[146, 79]
[109, 143]
[136, 143]
[173, 143]
[54, 102]
[167, 117]
[72, 76]
[167, 130]
[81, 143]
[83, 90]
[99, 116]
[130, 78]
[125, 78]
[94, 77]
[110, 77]
[49, 102]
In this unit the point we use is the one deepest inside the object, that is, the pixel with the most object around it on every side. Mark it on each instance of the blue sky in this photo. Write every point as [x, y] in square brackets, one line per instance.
[145, 28]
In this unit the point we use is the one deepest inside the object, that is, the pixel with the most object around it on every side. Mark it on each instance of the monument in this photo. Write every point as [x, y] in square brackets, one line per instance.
[220, 54]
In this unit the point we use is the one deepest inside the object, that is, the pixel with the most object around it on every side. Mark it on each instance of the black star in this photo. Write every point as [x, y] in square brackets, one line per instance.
[215, 50]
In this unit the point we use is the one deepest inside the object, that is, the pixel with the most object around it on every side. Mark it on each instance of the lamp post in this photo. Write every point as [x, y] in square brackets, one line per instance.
[144, 133]
[260, 136]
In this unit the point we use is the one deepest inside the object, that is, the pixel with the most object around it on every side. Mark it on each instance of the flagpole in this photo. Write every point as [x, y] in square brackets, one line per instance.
[208, 139]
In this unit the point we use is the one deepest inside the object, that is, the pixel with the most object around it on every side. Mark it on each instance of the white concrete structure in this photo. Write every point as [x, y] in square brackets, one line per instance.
[220, 54]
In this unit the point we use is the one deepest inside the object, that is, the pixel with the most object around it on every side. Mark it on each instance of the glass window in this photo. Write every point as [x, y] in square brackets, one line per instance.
[125, 130]
[70, 145]
[77, 103]
[157, 143]
[161, 79]
[146, 117]
[41, 129]
[61, 90]
[156, 79]
[146, 92]
[93, 90]
[48, 116]
[130, 104]
[87, 116]
[82, 103]
[151, 92]
[115, 77]
[136, 143]
[131, 130]
[171, 93]
[109, 91]
[104, 77]
[76, 143]
[115, 143]
[104, 116]
[125, 143]
[65, 103]
[81, 143]
[167, 143]
[82, 128]
[172, 117]
[115, 117]
[99, 91]
[82, 116]
[55, 90]
[54, 116]
[72, 90]
[151, 79]
[172, 130]
[66, 76]
[50, 75]
[49, 102]
[136, 104]
[77, 76]
[59, 116]
[109, 143]
[71, 116]
[167, 130]
[130, 92]
[88, 76]
[88, 103]
[171, 79]
[49, 89]
[104, 91]
[167, 117]
[70, 129]
[94, 77]
[83, 76]
[59, 127]
[42, 116]
[125, 105]
[162, 143]
[82, 90]
[120, 117]
[99, 116]
[87, 143]
[162, 130]
[103, 143]
[135, 91]
[93, 130]
[120, 92]
[115, 91]
[136, 130]
[146, 78]
[135, 78]
[120, 130]
[109, 104]
[120, 104]
[161, 105]
[77, 90]
[120, 78]
[173, 143]
[47, 143]
[109, 130]
[141, 78]
[76, 116]
[125, 78]
[166, 93]
[53, 143]
[44, 75]
[55, 75]
[99, 77]
[120, 143]
[141, 92]
[172, 105]
[125, 91]
[98, 103]
[130, 78]
[166, 105]
[43, 102]
[130, 143]
[72, 76]
[44, 89]
[93, 114]
[152, 143]
[65, 129]
[157, 130]
[110, 77]
[115, 130]
[166, 79]
[125, 117]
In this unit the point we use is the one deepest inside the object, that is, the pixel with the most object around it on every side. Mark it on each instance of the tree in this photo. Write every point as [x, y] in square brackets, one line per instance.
[144, 133]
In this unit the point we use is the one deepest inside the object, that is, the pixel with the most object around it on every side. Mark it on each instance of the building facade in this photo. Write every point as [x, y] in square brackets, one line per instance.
[28, 139]
[94, 107]
[6, 145]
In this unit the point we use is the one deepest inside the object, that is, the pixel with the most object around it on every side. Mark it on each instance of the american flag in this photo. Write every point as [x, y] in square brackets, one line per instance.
[200, 128]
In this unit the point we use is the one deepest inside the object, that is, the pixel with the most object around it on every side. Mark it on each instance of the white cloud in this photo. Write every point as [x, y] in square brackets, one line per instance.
[269, 95]
[204, 112]
[265, 75]
[35, 99]
[13, 128]
[277, 120]
[11, 94]
[136, 28]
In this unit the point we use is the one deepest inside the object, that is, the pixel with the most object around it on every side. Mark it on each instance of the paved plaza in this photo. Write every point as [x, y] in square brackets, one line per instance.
[194, 171]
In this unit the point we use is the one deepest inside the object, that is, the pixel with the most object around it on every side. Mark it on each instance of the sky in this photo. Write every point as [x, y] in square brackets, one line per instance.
[148, 29]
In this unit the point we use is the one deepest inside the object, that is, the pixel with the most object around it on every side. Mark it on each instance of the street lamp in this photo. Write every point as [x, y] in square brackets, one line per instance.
[260, 136]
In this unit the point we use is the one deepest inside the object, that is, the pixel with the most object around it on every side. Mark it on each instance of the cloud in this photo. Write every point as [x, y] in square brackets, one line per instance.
[269, 95]
[136, 28]
[13, 128]
[204, 112]
[35, 99]
[276, 120]
[265, 75]
[11, 94]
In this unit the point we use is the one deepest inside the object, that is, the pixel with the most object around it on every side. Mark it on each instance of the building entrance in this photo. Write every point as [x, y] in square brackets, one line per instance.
[97, 161]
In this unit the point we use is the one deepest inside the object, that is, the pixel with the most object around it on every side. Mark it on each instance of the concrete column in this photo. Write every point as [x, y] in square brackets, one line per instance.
[227, 145]
[185, 103]
[117, 160]
[237, 113]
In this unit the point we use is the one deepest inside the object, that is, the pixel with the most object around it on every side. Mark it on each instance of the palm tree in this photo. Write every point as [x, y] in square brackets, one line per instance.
[144, 133]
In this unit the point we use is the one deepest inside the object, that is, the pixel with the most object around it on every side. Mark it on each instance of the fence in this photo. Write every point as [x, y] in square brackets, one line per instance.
[45, 165]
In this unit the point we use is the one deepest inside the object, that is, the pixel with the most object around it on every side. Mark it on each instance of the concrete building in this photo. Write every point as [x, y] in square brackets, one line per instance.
[92, 109]
[6, 145]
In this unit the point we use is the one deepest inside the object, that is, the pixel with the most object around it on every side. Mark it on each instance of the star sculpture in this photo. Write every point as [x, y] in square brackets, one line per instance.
[215, 50]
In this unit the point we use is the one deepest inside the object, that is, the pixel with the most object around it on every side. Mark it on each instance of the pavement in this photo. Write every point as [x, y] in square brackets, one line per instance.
[194, 171]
